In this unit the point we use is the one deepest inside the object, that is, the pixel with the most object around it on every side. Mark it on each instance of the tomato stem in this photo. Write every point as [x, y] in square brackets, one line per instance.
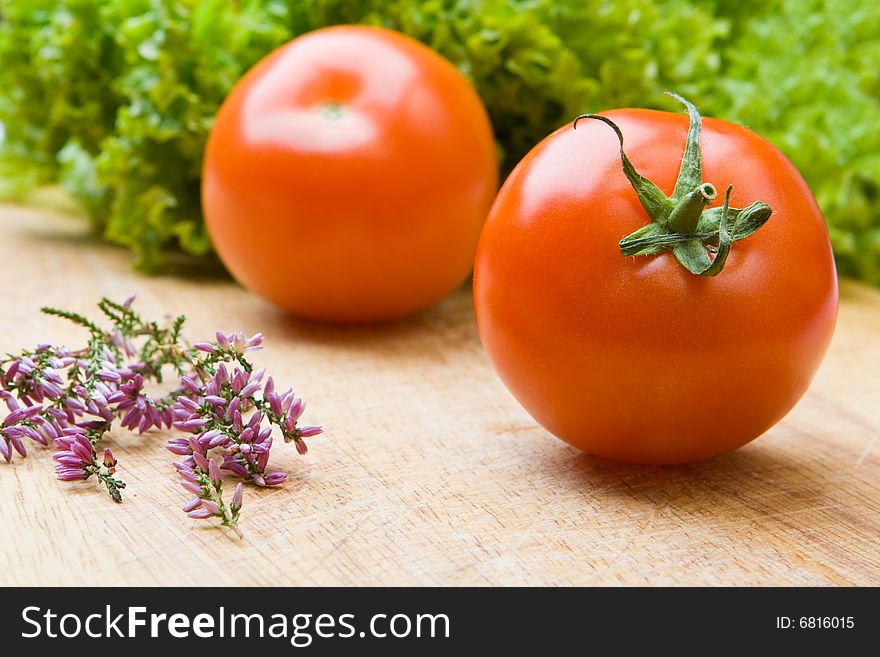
[682, 223]
[686, 214]
[332, 110]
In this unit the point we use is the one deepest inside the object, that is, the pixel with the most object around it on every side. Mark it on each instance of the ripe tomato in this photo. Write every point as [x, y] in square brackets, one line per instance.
[636, 358]
[348, 174]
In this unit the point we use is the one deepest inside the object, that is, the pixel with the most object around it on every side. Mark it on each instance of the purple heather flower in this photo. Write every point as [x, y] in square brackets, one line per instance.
[76, 443]
[222, 340]
[109, 375]
[200, 461]
[191, 383]
[90, 425]
[46, 430]
[250, 388]
[186, 404]
[237, 343]
[214, 472]
[263, 459]
[65, 473]
[231, 463]
[215, 438]
[179, 446]
[307, 432]
[194, 503]
[37, 381]
[109, 459]
[18, 446]
[200, 514]
[185, 464]
[276, 479]
[11, 403]
[211, 506]
[255, 342]
[89, 389]
[188, 475]
[74, 455]
[192, 487]
[196, 446]
[191, 426]
[233, 408]
[297, 407]
[75, 405]
[140, 411]
[274, 402]
[239, 378]
[125, 395]
[22, 413]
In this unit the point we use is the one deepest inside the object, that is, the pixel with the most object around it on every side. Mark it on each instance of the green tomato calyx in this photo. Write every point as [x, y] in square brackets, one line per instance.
[682, 223]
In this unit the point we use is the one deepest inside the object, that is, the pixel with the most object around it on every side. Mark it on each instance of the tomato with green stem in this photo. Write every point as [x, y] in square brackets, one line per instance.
[637, 313]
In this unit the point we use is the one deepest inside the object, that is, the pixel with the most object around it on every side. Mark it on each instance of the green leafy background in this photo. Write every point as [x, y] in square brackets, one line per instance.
[114, 98]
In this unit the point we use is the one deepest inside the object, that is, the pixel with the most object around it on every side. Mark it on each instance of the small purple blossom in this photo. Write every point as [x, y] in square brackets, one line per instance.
[276, 479]
[139, 412]
[214, 472]
[74, 457]
[235, 343]
[231, 463]
[179, 446]
[237, 496]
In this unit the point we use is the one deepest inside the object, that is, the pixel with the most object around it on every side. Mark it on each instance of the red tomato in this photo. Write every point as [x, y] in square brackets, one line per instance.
[348, 175]
[636, 358]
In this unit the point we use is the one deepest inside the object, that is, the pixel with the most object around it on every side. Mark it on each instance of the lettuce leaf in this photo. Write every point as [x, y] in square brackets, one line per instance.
[114, 98]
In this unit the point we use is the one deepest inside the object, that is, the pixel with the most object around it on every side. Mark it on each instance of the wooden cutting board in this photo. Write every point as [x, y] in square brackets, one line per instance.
[429, 472]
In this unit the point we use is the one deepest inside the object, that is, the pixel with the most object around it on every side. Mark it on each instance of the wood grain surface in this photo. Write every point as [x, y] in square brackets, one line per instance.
[430, 473]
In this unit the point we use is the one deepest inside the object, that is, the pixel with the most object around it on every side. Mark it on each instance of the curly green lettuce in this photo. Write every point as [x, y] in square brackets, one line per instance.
[114, 98]
[805, 74]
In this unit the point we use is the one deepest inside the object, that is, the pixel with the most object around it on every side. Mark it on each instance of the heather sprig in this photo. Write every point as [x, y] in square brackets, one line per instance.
[72, 398]
[232, 410]
[201, 477]
[76, 459]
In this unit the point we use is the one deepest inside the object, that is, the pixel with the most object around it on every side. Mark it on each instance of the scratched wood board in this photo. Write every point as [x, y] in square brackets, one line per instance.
[429, 472]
